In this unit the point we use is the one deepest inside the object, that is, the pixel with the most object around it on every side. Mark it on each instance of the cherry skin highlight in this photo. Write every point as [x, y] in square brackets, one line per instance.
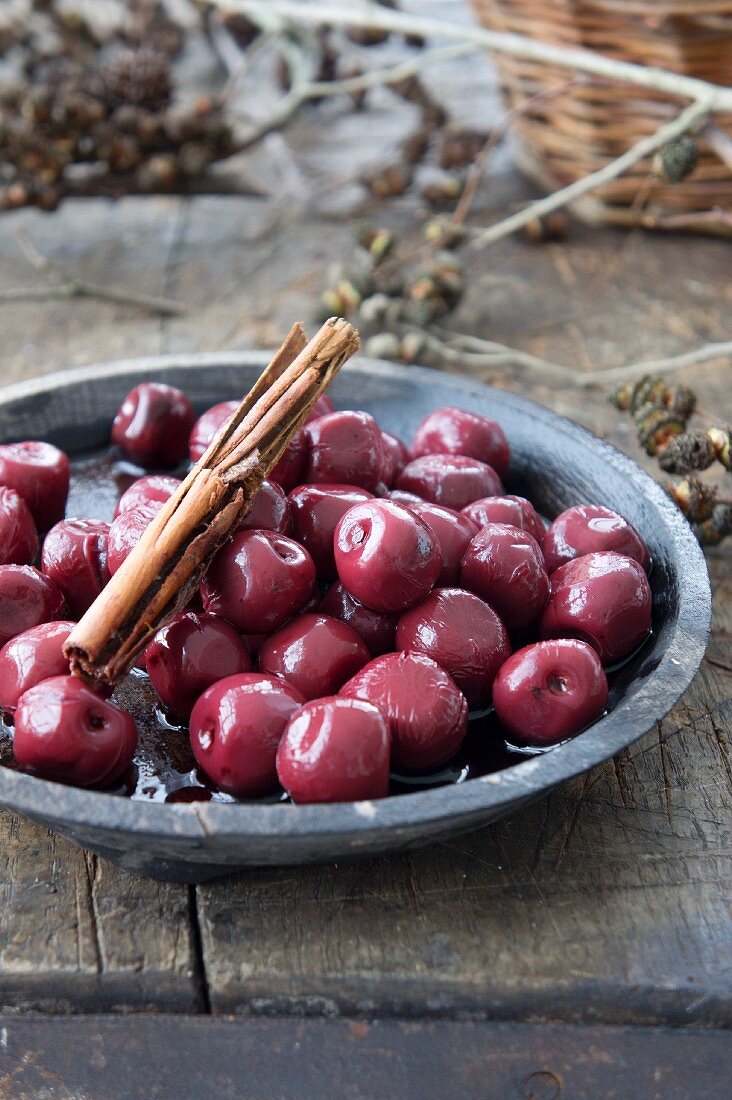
[335, 750]
[127, 530]
[151, 489]
[463, 635]
[258, 580]
[153, 425]
[451, 480]
[39, 473]
[235, 729]
[386, 556]
[189, 654]
[550, 690]
[587, 528]
[64, 731]
[376, 628]
[30, 657]
[75, 557]
[516, 511]
[314, 653]
[316, 511]
[505, 567]
[207, 426]
[18, 535]
[27, 599]
[453, 532]
[457, 431]
[344, 448]
[426, 712]
[602, 598]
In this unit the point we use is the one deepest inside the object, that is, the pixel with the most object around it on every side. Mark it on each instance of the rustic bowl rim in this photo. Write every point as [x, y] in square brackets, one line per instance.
[208, 821]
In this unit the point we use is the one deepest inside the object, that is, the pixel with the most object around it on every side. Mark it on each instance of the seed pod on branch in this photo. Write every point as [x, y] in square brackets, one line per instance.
[717, 528]
[695, 499]
[686, 452]
[656, 427]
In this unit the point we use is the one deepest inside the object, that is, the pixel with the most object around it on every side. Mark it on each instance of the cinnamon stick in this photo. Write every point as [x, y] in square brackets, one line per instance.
[162, 573]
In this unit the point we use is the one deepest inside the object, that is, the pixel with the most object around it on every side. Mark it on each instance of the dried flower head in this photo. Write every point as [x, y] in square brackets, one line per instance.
[656, 427]
[141, 78]
[721, 440]
[717, 528]
[695, 499]
[677, 160]
[686, 452]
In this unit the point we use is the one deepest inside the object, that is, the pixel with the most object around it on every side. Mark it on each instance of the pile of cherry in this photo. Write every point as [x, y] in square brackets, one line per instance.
[368, 603]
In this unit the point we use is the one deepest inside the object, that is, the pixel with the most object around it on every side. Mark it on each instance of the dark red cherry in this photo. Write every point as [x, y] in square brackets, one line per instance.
[39, 473]
[344, 448]
[322, 407]
[66, 732]
[27, 598]
[459, 432]
[453, 532]
[396, 456]
[75, 557]
[587, 528]
[377, 628]
[290, 470]
[207, 426]
[462, 634]
[386, 556]
[335, 750]
[451, 480]
[505, 567]
[516, 511]
[153, 488]
[316, 511]
[235, 729]
[18, 535]
[191, 652]
[35, 655]
[603, 599]
[314, 653]
[127, 530]
[258, 581]
[426, 712]
[402, 497]
[270, 511]
[550, 690]
[153, 425]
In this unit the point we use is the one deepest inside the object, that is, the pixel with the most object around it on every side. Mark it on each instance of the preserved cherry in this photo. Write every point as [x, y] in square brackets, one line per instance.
[377, 628]
[151, 489]
[270, 510]
[18, 535]
[39, 473]
[344, 448]
[316, 511]
[75, 557]
[127, 530]
[505, 567]
[314, 653]
[27, 598]
[459, 432]
[516, 511]
[453, 532]
[153, 425]
[451, 480]
[207, 426]
[587, 528]
[35, 655]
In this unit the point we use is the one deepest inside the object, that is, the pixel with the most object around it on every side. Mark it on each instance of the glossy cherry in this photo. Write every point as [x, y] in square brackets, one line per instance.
[39, 472]
[153, 488]
[459, 432]
[127, 530]
[207, 426]
[505, 567]
[603, 599]
[258, 581]
[335, 750]
[462, 634]
[290, 470]
[75, 557]
[235, 729]
[316, 511]
[18, 535]
[153, 425]
[322, 407]
[516, 511]
[386, 556]
[451, 480]
[191, 652]
[587, 528]
[453, 532]
[395, 458]
[344, 448]
[377, 628]
[550, 690]
[35, 655]
[314, 653]
[426, 712]
[270, 511]
[66, 732]
[27, 598]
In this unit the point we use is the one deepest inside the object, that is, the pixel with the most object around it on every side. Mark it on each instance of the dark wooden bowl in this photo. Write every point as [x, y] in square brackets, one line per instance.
[554, 462]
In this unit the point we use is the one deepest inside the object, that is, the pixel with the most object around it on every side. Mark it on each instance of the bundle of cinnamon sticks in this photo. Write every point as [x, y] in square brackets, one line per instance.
[162, 573]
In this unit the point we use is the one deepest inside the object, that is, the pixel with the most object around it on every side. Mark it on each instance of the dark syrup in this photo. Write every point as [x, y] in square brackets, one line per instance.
[164, 769]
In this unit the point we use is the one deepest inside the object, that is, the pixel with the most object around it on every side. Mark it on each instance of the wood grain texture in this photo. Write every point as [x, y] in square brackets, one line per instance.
[607, 901]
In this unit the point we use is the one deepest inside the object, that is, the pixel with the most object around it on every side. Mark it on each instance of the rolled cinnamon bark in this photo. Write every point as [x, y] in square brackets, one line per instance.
[162, 573]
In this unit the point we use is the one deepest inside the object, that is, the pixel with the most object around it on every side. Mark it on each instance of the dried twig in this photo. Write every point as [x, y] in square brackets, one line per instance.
[80, 288]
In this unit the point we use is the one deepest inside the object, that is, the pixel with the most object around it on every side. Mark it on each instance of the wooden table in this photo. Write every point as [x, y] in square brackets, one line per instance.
[580, 947]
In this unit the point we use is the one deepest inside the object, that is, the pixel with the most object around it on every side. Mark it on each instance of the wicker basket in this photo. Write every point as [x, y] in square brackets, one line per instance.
[578, 129]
